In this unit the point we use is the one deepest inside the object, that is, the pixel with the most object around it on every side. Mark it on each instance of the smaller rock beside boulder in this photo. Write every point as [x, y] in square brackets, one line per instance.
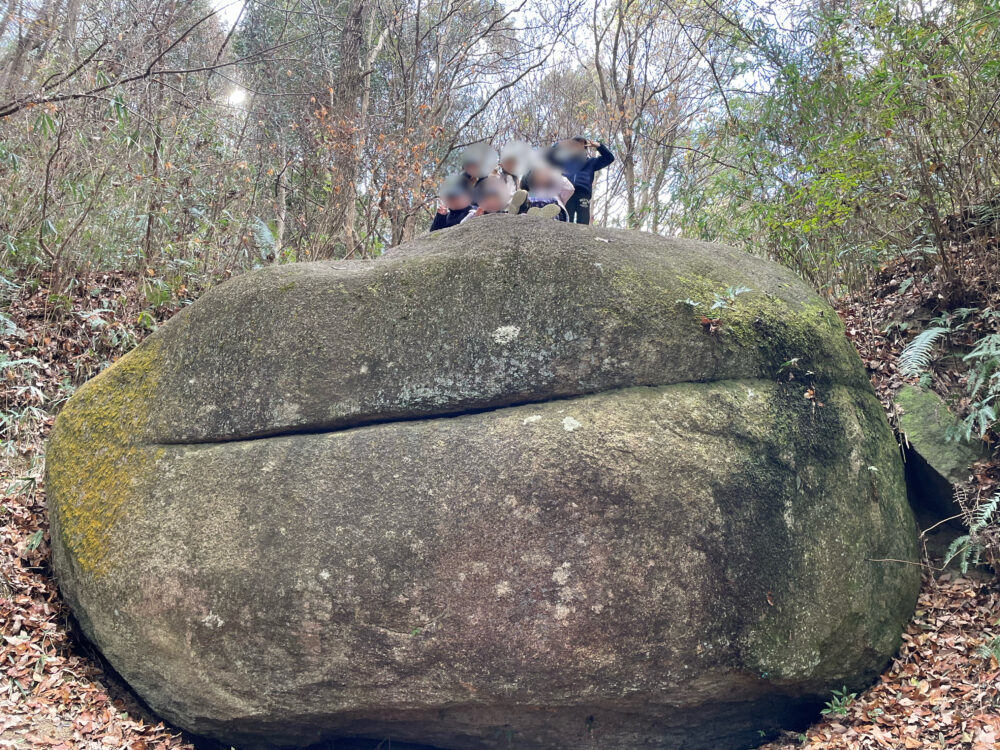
[934, 463]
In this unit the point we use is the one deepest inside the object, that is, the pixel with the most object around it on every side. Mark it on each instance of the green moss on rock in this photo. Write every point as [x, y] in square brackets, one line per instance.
[97, 461]
[925, 420]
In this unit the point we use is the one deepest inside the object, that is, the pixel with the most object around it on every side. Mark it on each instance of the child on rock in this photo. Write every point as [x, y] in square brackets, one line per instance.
[514, 159]
[493, 197]
[548, 192]
[572, 156]
[454, 207]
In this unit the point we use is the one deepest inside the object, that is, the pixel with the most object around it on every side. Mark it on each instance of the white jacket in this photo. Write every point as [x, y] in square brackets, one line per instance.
[561, 193]
[510, 182]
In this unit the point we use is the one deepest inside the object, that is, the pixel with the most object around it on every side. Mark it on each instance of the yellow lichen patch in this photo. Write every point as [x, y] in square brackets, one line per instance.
[97, 457]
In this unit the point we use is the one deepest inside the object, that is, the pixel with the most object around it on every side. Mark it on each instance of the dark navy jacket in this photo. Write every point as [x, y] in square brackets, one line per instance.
[472, 183]
[450, 219]
[580, 170]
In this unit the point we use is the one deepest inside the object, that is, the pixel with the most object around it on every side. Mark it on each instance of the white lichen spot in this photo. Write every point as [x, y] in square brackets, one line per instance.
[536, 559]
[562, 612]
[597, 608]
[364, 369]
[569, 424]
[503, 588]
[532, 419]
[506, 334]
[789, 515]
[561, 574]
[287, 412]
[325, 575]
[212, 620]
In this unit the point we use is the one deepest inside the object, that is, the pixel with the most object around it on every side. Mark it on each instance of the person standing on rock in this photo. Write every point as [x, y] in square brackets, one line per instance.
[572, 156]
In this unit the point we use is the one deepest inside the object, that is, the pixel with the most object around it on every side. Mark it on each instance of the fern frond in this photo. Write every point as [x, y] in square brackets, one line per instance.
[990, 649]
[984, 514]
[960, 549]
[977, 378]
[988, 347]
[916, 355]
[960, 493]
[262, 234]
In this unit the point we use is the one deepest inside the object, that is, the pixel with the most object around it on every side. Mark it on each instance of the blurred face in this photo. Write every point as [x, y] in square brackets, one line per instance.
[456, 201]
[567, 150]
[491, 202]
[544, 177]
[471, 169]
[509, 165]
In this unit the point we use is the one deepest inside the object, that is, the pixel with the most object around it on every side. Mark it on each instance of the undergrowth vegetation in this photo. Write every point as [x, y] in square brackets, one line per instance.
[55, 342]
[981, 543]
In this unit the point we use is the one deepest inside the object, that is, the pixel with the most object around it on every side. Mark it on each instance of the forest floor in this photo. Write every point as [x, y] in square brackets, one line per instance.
[942, 690]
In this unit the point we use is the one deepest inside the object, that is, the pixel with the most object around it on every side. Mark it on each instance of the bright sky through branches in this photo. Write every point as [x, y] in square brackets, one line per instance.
[229, 11]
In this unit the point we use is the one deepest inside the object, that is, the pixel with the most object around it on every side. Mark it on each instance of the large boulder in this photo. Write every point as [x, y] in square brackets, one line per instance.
[518, 484]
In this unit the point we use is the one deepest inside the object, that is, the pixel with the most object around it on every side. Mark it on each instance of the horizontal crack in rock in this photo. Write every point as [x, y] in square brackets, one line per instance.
[334, 427]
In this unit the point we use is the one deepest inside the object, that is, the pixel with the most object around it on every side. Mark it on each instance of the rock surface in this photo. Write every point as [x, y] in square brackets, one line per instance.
[936, 463]
[504, 487]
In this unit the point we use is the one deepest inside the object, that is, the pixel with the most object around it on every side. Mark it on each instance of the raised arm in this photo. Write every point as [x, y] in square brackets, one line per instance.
[604, 157]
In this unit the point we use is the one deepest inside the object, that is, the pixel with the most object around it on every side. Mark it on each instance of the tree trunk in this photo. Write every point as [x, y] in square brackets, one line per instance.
[628, 169]
[281, 207]
[346, 104]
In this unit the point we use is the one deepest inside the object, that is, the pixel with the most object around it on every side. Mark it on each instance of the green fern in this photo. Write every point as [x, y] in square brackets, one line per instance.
[988, 347]
[983, 387]
[984, 514]
[968, 548]
[916, 356]
[958, 548]
[262, 234]
[990, 649]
